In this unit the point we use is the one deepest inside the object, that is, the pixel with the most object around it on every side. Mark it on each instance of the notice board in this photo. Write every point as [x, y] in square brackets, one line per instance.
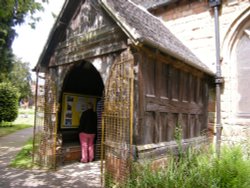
[72, 107]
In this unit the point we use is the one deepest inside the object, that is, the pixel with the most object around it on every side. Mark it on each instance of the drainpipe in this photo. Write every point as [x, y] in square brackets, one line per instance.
[215, 5]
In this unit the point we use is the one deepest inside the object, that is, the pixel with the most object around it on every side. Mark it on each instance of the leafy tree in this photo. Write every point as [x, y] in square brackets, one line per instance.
[20, 77]
[6, 57]
[8, 102]
[12, 13]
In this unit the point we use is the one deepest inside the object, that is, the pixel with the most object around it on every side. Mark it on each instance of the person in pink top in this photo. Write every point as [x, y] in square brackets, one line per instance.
[87, 132]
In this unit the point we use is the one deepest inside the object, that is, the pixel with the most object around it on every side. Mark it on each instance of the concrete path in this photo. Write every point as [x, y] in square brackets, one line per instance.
[73, 175]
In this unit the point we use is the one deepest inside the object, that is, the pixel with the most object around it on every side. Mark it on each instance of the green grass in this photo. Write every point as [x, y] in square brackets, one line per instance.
[24, 120]
[195, 168]
[24, 158]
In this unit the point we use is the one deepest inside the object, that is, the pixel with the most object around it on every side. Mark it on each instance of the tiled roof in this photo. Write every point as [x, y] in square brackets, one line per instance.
[139, 25]
[143, 27]
[152, 4]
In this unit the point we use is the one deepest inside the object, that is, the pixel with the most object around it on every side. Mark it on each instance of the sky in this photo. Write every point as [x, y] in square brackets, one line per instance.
[29, 43]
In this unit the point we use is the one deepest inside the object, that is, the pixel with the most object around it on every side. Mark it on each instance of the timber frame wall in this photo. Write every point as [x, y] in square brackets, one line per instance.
[171, 96]
[193, 23]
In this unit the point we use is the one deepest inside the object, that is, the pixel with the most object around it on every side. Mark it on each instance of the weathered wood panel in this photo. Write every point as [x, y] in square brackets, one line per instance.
[148, 131]
[192, 125]
[165, 105]
[172, 123]
[175, 83]
[163, 127]
[89, 17]
[88, 45]
[159, 149]
[171, 96]
[149, 76]
[90, 33]
[185, 125]
[164, 81]
[185, 87]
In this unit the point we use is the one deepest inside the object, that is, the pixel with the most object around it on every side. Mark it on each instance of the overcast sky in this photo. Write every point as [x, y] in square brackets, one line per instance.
[30, 42]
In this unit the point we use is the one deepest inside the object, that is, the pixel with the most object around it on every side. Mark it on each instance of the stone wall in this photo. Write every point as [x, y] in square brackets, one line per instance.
[193, 23]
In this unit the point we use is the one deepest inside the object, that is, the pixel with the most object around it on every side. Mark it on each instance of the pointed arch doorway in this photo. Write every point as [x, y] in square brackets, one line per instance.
[82, 84]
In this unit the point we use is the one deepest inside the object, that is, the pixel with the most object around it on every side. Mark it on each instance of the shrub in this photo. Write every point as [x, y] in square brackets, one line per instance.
[8, 102]
[197, 168]
[232, 168]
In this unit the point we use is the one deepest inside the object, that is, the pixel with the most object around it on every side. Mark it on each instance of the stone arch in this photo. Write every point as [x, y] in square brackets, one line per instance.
[229, 53]
[232, 34]
[232, 119]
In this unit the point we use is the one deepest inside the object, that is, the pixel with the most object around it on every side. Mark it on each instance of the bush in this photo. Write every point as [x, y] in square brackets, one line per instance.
[232, 168]
[8, 102]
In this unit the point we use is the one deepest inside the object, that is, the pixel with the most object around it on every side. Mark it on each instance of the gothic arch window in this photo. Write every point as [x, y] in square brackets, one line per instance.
[242, 55]
[236, 68]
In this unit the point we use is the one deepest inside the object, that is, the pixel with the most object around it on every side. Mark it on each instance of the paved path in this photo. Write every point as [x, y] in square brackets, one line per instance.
[73, 175]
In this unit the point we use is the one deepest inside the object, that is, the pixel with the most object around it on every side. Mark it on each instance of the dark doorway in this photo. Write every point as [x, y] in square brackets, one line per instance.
[82, 79]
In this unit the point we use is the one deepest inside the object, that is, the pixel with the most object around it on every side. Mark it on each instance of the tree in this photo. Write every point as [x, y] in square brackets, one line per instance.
[6, 59]
[12, 13]
[20, 77]
[8, 102]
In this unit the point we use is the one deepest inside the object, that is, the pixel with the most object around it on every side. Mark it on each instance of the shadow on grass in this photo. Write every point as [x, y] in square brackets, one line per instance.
[24, 158]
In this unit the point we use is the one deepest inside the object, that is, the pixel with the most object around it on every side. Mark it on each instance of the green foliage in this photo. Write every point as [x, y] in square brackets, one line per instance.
[197, 168]
[232, 168]
[109, 180]
[24, 157]
[24, 120]
[20, 77]
[143, 176]
[6, 63]
[12, 13]
[8, 128]
[8, 102]
[178, 137]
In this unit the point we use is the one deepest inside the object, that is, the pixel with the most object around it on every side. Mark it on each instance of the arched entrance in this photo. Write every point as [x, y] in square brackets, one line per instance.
[82, 84]
[83, 78]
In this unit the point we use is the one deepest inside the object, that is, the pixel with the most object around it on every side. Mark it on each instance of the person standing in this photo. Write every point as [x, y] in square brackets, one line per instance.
[87, 133]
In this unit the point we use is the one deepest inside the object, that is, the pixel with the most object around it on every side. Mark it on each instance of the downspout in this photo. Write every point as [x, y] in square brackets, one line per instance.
[215, 4]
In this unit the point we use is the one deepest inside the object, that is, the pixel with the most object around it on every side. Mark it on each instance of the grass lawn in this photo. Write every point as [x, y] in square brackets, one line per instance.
[196, 168]
[24, 120]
